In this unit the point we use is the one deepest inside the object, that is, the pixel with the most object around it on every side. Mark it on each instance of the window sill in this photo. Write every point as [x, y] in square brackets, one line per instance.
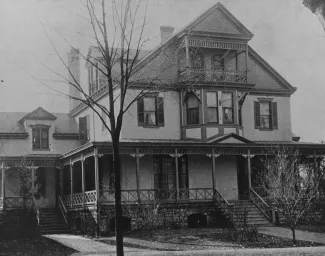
[47, 149]
[265, 129]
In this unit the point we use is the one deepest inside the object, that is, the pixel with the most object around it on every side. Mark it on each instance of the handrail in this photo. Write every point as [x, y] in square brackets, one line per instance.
[63, 209]
[261, 204]
[226, 207]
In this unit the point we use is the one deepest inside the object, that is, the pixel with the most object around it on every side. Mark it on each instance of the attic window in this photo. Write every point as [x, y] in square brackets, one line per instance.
[41, 137]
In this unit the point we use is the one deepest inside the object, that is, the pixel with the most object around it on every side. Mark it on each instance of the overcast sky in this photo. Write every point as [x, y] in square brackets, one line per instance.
[287, 35]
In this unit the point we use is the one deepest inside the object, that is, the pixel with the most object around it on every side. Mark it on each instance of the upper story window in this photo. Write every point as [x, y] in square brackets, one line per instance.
[266, 114]
[151, 110]
[40, 137]
[212, 107]
[84, 129]
[192, 109]
[218, 62]
[227, 108]
[198, 60]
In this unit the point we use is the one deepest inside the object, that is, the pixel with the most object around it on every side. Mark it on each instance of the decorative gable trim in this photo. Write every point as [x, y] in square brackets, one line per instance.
[287, 86]
[223, 139]
[38, 114]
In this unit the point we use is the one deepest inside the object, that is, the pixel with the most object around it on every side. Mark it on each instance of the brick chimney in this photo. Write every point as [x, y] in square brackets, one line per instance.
[166, 32]
[74, 77]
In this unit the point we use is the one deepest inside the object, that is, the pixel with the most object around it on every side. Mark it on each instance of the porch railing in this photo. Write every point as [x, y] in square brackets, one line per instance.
[204, 75]
[261, 204]
[80, 199]
[166, 195]
[226, 207]
[13, 202]
[1, 203]
[63, 210]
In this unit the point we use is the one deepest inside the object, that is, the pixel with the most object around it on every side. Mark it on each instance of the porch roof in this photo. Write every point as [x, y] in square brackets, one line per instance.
[156, 146]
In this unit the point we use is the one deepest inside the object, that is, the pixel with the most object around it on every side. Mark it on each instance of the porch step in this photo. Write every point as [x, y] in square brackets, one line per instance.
[52, 222]
[254, 215]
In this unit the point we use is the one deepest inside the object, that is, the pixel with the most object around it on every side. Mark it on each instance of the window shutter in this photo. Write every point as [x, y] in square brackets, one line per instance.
[160, 111]
[240, 119]
[140, 112]
[257, 114]
[87, 134]
[274, 115]
[82, 129]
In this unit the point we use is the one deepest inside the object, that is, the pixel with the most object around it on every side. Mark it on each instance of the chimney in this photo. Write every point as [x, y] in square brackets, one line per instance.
[166, 32]
[74, 77]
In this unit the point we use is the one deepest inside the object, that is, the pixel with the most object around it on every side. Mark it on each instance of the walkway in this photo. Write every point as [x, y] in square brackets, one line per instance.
[86, 246]
[286, 233]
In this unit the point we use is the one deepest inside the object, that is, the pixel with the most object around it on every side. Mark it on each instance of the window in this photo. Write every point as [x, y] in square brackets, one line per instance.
[151, 111]
[192, 109]
[227, 108]
[218, 63]
[266, 114]
[41, 137]
[198, 60]
[212, 107]
[84, 129]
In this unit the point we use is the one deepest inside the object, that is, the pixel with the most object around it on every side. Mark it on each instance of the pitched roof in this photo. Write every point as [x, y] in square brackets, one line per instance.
[38, 114]
[10, 122]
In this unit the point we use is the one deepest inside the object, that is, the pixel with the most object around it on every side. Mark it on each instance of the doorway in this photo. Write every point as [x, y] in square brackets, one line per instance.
[242, 178]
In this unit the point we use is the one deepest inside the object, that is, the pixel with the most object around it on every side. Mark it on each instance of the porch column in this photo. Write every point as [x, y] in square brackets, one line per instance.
[96, 174]
[83, 179]
[33, 180]
[71, 182]
[137, 169]
[176, 156]
[61, 181]
[249, 168]
[3, 176]
[213, 156]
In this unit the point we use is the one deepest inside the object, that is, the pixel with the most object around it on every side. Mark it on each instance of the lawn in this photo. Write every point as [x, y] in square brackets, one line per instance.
[200, 239]
[33, 246]
[313, 228]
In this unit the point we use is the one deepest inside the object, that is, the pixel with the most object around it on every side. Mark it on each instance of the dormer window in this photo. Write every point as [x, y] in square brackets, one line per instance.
[40, 137]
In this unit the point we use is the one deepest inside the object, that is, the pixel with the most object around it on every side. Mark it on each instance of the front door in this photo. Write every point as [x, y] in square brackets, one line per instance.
[242, 175]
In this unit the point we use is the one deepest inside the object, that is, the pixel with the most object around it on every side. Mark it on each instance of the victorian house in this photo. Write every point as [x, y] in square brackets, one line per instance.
[192, 148]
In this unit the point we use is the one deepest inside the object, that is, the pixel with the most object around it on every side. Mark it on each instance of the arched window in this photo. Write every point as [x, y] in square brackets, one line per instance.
[192, 109]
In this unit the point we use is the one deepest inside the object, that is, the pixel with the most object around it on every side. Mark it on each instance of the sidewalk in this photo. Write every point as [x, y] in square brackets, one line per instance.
[86, 246]
[286, 233]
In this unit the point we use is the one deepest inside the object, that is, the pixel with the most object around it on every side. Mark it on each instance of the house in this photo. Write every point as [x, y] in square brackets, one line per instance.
[190, 147]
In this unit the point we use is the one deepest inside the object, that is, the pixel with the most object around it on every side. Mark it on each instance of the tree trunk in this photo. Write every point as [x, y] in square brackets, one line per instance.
[293, 229]
[118, 204]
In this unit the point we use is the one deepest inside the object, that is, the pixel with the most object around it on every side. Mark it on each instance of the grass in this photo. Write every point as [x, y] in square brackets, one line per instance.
[313, 228]
[34, 246]
[200, 239]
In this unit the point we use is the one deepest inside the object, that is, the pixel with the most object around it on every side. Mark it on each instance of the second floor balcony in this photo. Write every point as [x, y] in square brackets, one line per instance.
[204, 75]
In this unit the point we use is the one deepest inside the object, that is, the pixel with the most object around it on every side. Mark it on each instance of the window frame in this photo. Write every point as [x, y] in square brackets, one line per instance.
[158, 112]
[197, 109]
[232, 107]
[273, 116]
[216, 108]
[40, 129]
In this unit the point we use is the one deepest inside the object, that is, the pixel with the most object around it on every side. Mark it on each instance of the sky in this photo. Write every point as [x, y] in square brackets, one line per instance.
[286, 34]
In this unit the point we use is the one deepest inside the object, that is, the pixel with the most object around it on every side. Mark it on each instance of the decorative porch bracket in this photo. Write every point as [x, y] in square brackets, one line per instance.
[137, 157]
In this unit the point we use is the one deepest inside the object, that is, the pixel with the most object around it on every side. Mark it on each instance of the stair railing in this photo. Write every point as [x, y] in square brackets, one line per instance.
[261, 204]
[225, 206]
[63, 210]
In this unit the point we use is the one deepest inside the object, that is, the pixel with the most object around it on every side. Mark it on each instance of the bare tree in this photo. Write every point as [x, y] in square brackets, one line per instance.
[318, 8]
[291, 183]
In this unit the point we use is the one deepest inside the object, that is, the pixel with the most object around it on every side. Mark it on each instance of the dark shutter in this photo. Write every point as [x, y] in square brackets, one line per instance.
[87, 135]
[140, 112]
[274, 115]
[160, 111]
[257, 114]
[240, 119]
[82, 129]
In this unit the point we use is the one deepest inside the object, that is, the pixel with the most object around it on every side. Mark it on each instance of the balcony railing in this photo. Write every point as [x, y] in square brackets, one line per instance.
[203, 75]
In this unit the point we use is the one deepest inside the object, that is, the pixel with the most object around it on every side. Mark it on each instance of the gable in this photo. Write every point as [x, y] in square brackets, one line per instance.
[38, 114]
[264, 76]
[230, 138]
[219, 20]
[216, 22]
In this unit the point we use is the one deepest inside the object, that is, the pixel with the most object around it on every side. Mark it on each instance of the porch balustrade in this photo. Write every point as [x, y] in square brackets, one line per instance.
[13, 202]
[203, 75]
